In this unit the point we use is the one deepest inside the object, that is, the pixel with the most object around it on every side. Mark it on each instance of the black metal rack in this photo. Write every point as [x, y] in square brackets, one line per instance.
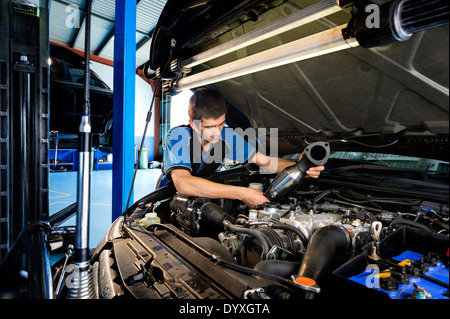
[24, 114]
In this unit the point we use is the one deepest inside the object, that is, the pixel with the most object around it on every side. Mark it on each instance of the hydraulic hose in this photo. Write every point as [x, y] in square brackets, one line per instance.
[82, 286]
[440, 224]
[84, 153]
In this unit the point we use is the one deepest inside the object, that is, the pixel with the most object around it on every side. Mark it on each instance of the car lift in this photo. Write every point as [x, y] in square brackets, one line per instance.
[24, 149]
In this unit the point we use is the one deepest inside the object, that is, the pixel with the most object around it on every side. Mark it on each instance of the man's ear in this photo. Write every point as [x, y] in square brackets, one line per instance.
[195, 124]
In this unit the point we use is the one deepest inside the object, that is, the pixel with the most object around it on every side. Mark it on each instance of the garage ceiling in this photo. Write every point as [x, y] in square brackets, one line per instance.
[67, 25]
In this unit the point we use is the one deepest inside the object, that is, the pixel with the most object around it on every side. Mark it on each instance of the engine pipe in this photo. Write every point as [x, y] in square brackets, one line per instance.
[324, 245]
[315, 154]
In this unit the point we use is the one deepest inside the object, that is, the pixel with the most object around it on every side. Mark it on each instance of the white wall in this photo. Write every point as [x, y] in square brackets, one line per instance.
[144, 94]
[179, 109]
[143, 97]
[104, 71]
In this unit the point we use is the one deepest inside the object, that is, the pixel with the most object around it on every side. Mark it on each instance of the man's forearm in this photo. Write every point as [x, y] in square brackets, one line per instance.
[274, 165]
[283, 163]
[200, 187]
[189, 185]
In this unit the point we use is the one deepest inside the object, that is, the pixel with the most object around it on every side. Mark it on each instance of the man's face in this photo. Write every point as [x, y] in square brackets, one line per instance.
[210, 129]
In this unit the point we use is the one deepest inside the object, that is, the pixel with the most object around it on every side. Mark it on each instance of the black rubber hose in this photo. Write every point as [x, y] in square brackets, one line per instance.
[409, 223]
[297, 231]
[366, 215]
[281, 268]
[258, 235]
[291, 241]
[322, 195]
[254, 272]
[323, 246]
[214, 216]
[58, 218]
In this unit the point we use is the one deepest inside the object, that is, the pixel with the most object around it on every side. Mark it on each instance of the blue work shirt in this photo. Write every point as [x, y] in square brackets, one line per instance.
[183, 151]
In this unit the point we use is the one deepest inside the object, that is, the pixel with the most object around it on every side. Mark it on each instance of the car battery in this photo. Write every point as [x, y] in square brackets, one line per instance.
[408, 264]
[416, 277]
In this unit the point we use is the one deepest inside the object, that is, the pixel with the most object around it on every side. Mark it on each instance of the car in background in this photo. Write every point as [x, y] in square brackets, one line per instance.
[67, 99]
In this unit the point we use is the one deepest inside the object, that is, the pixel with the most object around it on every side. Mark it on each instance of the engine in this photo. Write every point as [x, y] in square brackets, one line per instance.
[273, 231]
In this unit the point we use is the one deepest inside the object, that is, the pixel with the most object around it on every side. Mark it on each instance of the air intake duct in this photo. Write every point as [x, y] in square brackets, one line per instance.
[325, 244]
[214, 216]
[397, 21]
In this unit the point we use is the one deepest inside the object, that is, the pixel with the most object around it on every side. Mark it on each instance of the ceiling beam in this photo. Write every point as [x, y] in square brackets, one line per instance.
[105, 41]
[84, 11]
[147, 38]
[73, 42]
[112, 31]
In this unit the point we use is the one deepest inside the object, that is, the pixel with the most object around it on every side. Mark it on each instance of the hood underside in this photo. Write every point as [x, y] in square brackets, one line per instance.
[396, 90]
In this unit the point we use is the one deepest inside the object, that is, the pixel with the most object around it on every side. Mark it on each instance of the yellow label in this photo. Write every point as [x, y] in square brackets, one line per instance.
[405, 262]
[385, 274]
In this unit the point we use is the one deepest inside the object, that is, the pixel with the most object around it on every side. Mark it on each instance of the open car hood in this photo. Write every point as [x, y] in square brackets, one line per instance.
[380, 95]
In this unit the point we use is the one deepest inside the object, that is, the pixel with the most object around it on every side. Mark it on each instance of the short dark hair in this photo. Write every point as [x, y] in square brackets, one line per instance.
[206, 103]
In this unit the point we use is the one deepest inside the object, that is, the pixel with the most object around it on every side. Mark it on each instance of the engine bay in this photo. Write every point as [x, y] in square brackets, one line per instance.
[319, 239]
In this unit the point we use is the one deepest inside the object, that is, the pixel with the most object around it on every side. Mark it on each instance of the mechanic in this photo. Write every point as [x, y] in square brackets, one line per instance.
[198, 149]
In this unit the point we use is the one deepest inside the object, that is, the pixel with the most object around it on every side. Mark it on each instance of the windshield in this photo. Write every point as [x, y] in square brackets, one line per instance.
[388, 160]
[391, 160]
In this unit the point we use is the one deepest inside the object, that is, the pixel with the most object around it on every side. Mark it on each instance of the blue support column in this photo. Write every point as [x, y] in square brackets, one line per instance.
[124, 104]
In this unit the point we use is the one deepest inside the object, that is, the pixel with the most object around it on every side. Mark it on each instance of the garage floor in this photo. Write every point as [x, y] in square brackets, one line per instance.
[63, 192]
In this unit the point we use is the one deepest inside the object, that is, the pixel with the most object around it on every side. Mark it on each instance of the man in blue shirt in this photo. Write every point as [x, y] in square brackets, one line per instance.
[199, 149]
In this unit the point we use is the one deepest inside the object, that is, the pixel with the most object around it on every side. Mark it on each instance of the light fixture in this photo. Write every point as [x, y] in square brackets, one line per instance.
[311, 13]
[305, 48]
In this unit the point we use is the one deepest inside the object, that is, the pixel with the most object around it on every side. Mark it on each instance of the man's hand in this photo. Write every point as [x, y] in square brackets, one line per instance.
[190, 185]
[252, 197]
[314, 172]
[187, 184]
